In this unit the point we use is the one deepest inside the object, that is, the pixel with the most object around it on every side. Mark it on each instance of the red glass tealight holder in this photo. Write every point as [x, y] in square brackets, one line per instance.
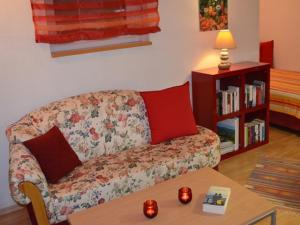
[185, 195]
[150, 208]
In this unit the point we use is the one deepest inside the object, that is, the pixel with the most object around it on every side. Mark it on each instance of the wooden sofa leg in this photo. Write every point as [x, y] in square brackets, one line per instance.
[32, 192]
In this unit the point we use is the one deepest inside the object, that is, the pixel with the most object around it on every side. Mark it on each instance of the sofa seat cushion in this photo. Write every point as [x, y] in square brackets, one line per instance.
[111, 176]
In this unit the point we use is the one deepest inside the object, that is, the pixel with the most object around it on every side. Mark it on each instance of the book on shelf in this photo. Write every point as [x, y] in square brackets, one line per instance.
[228, 131]
[254, 131]
[255, 93]
[226, 147]
[228, 101]
[216, 200]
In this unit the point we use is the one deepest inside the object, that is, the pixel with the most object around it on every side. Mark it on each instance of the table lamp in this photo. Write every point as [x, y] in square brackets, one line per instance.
[224, 42]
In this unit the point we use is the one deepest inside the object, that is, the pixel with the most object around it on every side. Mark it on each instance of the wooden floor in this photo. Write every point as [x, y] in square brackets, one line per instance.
[282, 144]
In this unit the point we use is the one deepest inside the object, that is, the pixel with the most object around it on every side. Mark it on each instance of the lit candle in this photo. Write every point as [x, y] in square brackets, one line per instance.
[150, 208]
[185, 195]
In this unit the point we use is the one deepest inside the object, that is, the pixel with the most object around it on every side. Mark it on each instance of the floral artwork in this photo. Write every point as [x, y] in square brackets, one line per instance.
[213, 15]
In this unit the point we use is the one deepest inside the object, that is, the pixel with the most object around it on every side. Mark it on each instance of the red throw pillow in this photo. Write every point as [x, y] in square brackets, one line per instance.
[266, 52]
[54, 154]
[169, 112]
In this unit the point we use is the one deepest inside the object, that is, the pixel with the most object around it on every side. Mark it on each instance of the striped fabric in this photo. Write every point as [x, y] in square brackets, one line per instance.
[285, 92]
[62, 21]
[277, 180]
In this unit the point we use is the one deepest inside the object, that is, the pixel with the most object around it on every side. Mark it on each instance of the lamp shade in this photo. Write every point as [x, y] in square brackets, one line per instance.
[225, 40]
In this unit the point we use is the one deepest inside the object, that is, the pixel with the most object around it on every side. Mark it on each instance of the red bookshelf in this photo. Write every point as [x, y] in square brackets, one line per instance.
[204, 87]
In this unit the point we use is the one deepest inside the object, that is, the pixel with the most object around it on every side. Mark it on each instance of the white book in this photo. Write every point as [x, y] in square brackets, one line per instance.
[261, 129]
[227, 150]
[231, 125]
[226, 147]
[226, 144]
[236, 93]
[225, 102]
[224, 99]
[231, 101]
[256, 132]
[216, 200]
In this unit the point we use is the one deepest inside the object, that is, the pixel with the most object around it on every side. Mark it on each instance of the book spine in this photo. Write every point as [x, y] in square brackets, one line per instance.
[254, 96]
[254, 132]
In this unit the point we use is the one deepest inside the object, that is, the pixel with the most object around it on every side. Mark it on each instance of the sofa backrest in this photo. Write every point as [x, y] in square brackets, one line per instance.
[94, 124]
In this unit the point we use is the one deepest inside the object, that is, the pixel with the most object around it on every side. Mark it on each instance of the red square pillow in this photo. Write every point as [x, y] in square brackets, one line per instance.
[170, 113]
[54, 154]
[266, 52]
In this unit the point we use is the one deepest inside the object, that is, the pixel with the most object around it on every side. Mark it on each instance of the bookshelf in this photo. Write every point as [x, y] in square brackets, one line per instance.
[253, 81]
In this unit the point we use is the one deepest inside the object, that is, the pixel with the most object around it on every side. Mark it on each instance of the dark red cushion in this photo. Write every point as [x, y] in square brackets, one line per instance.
[266, 52]
[54, 154]
[169, 112]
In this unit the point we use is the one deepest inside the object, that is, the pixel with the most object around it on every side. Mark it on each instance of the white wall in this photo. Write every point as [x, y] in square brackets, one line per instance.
[279, 21]
[30, 78]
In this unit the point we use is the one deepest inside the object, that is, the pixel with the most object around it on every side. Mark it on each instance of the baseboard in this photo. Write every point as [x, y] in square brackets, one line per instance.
[10, 209]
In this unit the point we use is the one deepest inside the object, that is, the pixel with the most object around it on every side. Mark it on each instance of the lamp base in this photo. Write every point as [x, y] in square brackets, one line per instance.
[224, 66]
[224, 56]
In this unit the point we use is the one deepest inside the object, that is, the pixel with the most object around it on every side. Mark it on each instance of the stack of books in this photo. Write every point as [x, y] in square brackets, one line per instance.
[228, 101]
[254, 132]
[255, 93]
[228, 131]
[216, 200]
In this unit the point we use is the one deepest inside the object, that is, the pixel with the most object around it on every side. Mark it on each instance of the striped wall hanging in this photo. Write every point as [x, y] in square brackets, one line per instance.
[64, 21]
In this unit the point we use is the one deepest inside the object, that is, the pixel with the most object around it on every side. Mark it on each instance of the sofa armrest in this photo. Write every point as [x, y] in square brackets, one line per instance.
[23, 167]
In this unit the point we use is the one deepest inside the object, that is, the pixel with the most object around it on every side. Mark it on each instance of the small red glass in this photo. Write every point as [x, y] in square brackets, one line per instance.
[150, 208]
[185, 195]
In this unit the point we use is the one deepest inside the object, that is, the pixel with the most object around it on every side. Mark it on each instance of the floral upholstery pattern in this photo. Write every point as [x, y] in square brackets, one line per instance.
[94, 124]
[24, 167]
[109, 132]
[104, 178]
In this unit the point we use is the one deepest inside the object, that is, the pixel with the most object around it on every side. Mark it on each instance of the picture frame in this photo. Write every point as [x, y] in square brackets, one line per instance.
[213, 15]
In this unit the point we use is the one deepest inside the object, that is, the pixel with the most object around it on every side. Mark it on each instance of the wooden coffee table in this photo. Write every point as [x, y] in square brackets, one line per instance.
[244, 206]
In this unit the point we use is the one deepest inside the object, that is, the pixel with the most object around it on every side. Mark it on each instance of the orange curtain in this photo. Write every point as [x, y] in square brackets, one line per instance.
[63, 21]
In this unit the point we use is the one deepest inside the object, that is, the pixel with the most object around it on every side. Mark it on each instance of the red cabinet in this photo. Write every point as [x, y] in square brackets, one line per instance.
[208, 82]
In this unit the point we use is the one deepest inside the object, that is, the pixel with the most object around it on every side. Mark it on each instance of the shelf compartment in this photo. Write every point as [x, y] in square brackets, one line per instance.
[256, 85]
[228, 92]
[258, 112]
[261, 75]
[257, 127]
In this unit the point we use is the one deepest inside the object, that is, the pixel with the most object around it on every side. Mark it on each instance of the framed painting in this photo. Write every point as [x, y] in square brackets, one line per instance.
[213, 15]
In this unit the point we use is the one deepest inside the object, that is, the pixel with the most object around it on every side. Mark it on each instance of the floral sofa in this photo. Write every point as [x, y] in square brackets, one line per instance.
[110, 134]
